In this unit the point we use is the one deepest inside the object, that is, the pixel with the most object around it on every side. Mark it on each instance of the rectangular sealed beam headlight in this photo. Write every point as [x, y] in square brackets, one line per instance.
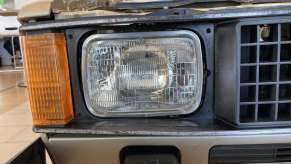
[142, 74]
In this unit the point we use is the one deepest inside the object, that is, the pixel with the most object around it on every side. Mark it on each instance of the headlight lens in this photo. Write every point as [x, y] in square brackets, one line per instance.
[142, 74]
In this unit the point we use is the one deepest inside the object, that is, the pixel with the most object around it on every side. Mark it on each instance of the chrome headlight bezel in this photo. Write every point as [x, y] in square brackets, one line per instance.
[197, 48]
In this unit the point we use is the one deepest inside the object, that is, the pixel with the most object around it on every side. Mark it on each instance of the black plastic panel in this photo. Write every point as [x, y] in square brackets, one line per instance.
[75, 38]
[34, 153]
[259, 64]
[150, 155]
[237, 154]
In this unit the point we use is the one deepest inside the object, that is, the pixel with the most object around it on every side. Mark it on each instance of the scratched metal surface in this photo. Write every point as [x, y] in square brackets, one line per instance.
[157, 127]
[171, 15]
[85, 5]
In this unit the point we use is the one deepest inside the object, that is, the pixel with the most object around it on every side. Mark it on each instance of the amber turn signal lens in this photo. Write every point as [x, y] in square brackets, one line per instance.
[47, 73]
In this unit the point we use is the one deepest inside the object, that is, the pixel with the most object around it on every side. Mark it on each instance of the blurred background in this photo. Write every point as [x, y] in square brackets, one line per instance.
[15, 118]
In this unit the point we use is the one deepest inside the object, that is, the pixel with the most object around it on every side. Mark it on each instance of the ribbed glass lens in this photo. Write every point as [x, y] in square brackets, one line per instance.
[142, 74]
[48, 78]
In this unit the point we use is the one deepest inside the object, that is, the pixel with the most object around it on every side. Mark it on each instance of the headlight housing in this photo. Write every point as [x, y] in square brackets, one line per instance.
[142, 74]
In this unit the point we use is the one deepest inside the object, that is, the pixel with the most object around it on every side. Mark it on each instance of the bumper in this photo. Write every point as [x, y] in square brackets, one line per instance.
[66, 149]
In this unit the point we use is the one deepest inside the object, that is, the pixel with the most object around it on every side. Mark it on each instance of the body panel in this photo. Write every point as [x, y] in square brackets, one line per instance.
[74, 149]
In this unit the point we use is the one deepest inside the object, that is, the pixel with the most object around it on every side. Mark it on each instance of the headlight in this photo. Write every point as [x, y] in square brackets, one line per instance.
[142, 74]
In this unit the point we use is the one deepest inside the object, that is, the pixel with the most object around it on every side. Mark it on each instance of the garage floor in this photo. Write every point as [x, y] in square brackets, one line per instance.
[15, 118]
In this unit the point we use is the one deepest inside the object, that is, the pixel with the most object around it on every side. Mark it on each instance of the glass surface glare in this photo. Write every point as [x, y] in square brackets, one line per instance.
[142, 74]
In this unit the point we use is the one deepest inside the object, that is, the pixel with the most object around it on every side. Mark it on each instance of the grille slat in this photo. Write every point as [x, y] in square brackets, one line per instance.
[235, 154]
[265, 73]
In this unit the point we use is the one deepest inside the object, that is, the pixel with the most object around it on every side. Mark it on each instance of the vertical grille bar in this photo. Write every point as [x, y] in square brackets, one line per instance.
[278, 71]
[257, 72]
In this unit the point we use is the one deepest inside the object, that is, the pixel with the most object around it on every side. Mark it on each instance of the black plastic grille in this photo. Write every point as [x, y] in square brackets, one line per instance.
[265, 73]
[238, 154]
[283, 154]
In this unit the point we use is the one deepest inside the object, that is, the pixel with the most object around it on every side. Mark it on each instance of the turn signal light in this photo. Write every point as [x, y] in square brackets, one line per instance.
[47, 72]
